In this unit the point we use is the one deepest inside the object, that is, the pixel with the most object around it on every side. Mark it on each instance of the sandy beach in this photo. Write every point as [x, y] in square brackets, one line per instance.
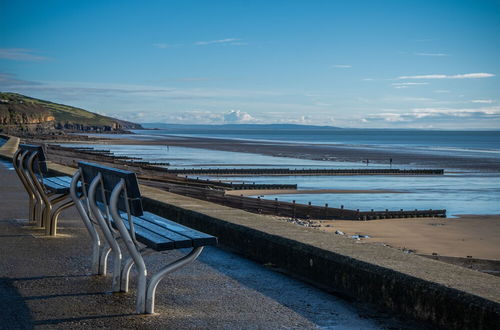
[468, 235]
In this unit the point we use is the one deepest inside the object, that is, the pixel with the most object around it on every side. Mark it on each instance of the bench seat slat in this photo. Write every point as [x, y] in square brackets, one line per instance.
[180, 241]
[199, 238]
[55, 187]
[66, 180]
[58, 184]
[151, 239]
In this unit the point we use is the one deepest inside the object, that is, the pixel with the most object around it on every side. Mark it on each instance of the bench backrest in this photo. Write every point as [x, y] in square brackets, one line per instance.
[110, 178]
[39, 166]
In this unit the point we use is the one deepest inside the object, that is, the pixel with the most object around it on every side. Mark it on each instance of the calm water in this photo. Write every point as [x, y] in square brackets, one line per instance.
[459, 193]
[463, 193]
[466, 143]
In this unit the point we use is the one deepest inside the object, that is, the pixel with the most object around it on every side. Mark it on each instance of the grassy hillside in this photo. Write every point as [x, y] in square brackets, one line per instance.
[18, 109]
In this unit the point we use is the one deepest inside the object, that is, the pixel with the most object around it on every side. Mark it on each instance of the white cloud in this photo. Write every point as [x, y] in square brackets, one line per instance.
[341, 66]
[408, 84]
[437, 114]
[232, 41]
[483, 101]
[237, 116]
[431, 54]
[456, 76]
[21, 54]
[433, 112]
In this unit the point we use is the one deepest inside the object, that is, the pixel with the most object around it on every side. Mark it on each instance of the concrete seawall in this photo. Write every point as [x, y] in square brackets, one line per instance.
[445, 295]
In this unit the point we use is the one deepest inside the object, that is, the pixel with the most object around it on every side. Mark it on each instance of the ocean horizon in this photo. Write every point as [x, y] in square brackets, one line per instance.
[468, 143]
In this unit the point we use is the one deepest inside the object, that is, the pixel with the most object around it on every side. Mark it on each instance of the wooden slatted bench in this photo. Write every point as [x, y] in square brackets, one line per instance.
[111, 201]
[48, 196]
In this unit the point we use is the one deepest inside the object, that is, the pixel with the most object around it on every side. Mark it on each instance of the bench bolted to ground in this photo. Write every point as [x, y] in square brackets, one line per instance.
[48, 196]
[110, 206]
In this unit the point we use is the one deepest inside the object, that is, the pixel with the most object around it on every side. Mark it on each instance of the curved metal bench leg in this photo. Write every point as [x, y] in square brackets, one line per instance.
[127, 268]
[84, 214]
[38, 210]
[126, 274]
[131, 247]
[17, 161]
[32, 210]
[49, 206]
[103, 260]
[156, 278]
[52, 227]
[110, 239]
[40, 192]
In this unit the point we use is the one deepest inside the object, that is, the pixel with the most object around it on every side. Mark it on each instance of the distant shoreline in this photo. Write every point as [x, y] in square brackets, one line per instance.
[329, 152]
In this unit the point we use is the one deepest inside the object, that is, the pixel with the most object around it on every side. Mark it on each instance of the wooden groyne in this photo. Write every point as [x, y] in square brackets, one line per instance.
[292, 172]
[104, 156]
[153, 170]
[293, 210]
[228, 185]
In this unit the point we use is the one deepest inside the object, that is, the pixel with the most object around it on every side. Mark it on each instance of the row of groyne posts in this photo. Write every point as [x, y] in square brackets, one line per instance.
[213, 190]
[306, 171]
[295, 210]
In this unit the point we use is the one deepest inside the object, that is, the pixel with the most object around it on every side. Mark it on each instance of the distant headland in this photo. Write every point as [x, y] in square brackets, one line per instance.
[24, 114]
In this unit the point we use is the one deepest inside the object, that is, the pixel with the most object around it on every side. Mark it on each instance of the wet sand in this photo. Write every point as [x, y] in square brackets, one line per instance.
[329, 152]
[469, 235]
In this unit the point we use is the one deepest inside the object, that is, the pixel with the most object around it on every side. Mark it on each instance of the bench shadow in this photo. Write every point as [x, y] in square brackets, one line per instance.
[15, 312]
[82, 318]
[34, 278]
[81, 294]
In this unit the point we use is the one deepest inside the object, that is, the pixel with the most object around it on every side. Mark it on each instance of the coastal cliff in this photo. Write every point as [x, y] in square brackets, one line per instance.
[19, 113]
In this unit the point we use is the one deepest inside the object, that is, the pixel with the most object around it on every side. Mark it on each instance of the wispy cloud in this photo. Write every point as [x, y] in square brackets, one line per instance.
[161, 45]
[420, 114]
[21, 54]
[483, 101]
[456, 76]
[231, 41]
[8, 80]
[189, 79]
[341, 66]
[408, 84]
[431, 54]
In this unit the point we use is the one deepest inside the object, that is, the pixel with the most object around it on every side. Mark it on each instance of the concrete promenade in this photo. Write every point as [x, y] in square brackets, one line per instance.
[45, 283]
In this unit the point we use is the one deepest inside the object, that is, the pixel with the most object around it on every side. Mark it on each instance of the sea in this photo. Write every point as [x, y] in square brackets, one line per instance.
[458, 191]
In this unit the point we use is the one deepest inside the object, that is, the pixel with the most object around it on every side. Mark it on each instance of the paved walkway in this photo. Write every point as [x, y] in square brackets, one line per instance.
[45, 283]
[8, 147]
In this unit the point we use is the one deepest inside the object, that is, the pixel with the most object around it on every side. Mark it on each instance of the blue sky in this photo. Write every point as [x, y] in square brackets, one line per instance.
[394, 64]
